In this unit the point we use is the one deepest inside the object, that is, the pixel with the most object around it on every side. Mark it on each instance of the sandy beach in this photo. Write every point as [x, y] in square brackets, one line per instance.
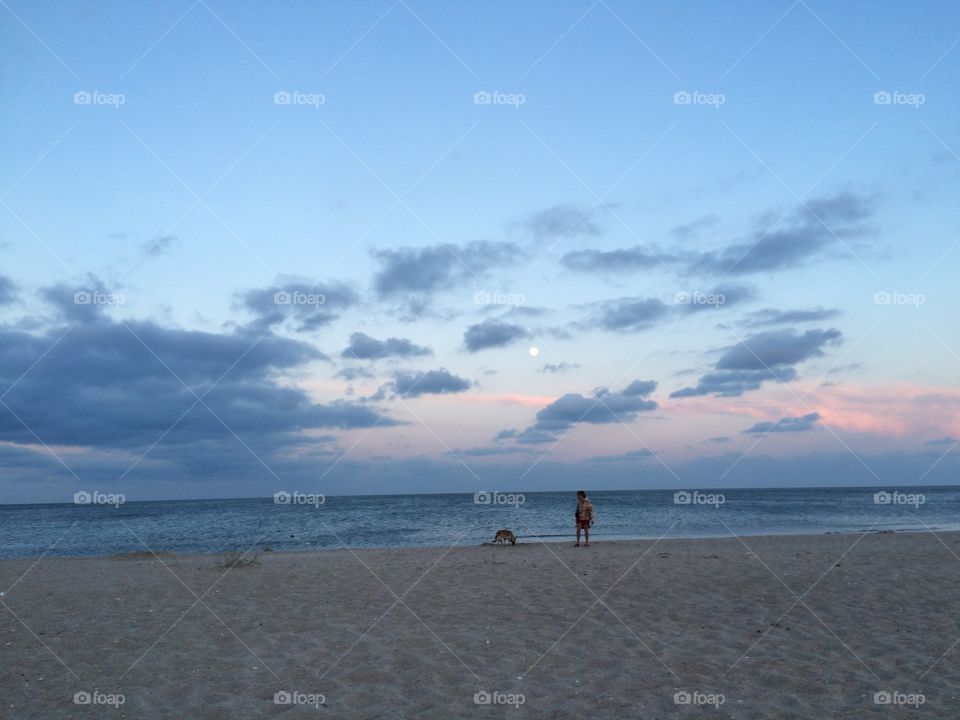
[844, 626]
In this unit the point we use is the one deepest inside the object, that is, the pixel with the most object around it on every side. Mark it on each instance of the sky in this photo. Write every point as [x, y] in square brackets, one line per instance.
[409, 246]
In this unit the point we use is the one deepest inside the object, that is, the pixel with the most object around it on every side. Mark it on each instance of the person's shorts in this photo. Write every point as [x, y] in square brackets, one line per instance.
[583, 524]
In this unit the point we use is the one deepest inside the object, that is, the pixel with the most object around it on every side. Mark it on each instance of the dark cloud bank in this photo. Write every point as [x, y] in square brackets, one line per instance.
[199, 401]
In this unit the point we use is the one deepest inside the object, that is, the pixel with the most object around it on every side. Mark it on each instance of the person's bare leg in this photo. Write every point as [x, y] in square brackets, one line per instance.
[586, 537]
[578, 535]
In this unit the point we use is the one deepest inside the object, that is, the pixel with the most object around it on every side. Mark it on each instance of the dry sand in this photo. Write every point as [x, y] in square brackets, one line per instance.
[781, 627]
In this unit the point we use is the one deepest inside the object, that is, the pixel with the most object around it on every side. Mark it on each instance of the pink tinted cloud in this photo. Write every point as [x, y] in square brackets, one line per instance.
[474, 398]
[898, 409]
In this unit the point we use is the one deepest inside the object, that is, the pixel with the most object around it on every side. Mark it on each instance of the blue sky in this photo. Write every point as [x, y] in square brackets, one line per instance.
[745, 212]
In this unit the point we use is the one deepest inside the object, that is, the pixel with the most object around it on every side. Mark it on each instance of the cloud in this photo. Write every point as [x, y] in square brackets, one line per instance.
[560, 367]
[106, 384]
[786, 424]
[364, 347]
[635, 314]
[717, 298]
[850, 367]
[414, 274]
[532, 436]
[774, 250]
[628, 314]
[639, 388]
[640, 454]
[694, 227]
[489, 451]
[527, 436]
[158, 246]
[777, 348]
[771, 316]
[432, 382]
[946, 440]
[523, 311]
[735, 383]
[717, 439]
[610, 261]
[87, 303]
[603, 407]
[8, 290]
[844, 207]
[806, 232]
[487, 398]
[564, 220]
[896, 409]
[351, 373]
[309, 305]
[765, 356]
[491, 334]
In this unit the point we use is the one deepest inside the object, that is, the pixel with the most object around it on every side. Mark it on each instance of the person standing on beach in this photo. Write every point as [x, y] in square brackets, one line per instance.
[585, 517]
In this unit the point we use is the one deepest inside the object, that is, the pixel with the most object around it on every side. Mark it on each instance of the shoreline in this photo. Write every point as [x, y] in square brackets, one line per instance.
[521, 540]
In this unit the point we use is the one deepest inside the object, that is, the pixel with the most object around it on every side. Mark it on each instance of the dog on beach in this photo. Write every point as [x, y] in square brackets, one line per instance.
[505, 536]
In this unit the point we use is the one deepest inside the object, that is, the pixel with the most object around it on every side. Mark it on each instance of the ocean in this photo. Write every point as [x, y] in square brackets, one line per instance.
[304, 522]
